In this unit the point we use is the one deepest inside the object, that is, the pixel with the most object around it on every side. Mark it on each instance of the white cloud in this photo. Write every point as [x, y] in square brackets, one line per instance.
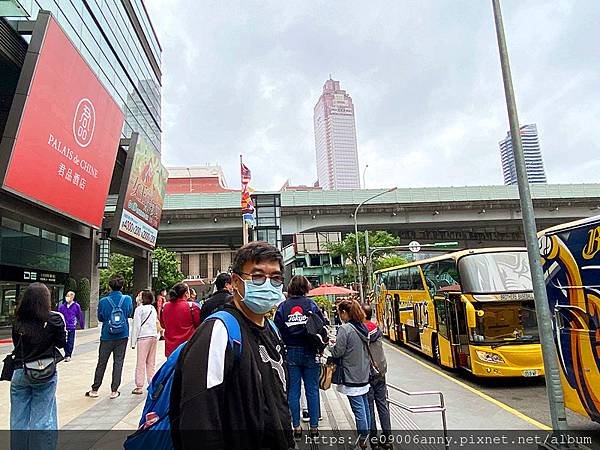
[242, 77]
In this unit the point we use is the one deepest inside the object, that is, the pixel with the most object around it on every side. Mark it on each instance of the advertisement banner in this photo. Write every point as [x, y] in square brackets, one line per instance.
[66, 143]
[143, 200]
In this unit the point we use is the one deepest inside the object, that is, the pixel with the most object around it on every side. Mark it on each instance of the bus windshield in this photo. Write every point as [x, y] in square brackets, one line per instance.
[503, 323]
[491, 273]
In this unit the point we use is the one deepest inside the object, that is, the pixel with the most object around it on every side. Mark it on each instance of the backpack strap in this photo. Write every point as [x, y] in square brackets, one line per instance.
[121, 300]
[112, 304]
[274, 328]
[234, 333]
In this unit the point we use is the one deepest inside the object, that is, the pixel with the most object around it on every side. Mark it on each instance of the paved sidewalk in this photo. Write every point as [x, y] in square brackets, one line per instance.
[467, 409]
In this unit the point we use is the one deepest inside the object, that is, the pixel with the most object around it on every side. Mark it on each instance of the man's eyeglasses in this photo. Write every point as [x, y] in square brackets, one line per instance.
[259, 279]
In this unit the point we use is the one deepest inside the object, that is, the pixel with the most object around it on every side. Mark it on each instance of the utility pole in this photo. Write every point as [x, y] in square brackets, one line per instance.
[553, 382]
[358, 266]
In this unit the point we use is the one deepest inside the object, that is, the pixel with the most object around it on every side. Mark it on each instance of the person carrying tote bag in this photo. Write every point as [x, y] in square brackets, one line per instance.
[38, 332]
[351, 350]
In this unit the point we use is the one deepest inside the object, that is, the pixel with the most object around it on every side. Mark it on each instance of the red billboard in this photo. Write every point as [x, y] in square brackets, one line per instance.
[66, 143]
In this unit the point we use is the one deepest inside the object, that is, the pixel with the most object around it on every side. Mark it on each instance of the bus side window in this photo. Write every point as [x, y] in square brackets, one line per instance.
[440, 310]
[417, 282]
[431, 287]
[404, 280]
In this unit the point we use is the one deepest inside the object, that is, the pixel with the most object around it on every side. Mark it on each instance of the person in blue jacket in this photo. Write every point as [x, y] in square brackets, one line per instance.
[303, 364]
[114, 310]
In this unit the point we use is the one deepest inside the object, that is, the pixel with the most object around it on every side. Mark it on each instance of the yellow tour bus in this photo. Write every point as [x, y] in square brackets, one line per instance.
[471, 309]
[571, 262]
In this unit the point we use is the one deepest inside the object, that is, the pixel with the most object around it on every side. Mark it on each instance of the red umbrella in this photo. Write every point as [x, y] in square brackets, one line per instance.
[330, 289]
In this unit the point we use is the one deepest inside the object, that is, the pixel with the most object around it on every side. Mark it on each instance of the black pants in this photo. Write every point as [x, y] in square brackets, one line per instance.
[378, 397]
[117, 347]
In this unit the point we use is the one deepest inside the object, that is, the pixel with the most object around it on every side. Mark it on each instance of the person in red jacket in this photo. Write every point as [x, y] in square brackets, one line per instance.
[180, 317]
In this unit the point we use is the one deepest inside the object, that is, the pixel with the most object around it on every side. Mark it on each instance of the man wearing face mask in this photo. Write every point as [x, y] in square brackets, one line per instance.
[236, 396]
[73, 315]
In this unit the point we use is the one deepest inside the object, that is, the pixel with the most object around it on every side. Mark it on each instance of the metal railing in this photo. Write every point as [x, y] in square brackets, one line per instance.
[418, 409]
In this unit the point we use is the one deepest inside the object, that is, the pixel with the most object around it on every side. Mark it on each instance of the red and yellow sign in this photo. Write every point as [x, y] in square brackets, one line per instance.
[65, 148]
[142, 206]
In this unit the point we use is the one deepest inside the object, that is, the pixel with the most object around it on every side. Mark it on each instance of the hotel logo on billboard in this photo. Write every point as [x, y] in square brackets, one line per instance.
[65, 146]
[84, 122]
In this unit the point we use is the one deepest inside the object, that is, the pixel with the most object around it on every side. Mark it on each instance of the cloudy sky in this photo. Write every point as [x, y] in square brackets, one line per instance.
[243, 76]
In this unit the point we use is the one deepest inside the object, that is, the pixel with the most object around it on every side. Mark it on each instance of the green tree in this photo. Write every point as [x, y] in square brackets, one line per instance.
[82, 295]
[168, 269]
[389, 261]
[117, 265]
[347, 250]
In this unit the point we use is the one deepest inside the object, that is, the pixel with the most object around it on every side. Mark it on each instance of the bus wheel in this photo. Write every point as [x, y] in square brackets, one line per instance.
[436, 351]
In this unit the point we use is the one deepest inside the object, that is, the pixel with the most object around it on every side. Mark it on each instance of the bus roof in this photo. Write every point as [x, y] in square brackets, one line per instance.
[455, 256]
[569, 225]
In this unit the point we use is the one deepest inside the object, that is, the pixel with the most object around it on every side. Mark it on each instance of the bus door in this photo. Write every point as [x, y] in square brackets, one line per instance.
[395, 328]
[459, 337]
[444, 353]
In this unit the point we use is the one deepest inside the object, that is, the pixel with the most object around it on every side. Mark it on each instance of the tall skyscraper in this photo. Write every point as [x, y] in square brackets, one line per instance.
[533, 156]
[335, 139]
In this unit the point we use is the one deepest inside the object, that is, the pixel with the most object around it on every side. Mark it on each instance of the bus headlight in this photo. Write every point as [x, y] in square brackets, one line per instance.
[488, 357]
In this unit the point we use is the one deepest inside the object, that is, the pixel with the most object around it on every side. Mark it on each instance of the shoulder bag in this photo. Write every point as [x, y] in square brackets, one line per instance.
[41, 370]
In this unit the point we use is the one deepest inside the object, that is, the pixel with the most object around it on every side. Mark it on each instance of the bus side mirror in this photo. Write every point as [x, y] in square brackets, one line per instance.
[471, 315]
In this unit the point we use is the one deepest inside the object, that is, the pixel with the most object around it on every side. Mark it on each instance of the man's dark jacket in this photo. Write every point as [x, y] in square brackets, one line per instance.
[214, 303]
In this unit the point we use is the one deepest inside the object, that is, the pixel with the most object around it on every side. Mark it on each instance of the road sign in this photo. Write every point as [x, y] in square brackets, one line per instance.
[414, 247]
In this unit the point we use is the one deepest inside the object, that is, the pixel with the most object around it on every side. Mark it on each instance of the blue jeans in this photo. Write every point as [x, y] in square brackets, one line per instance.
[33, 407]
[70, 343]
[302, 366]
[362, 414]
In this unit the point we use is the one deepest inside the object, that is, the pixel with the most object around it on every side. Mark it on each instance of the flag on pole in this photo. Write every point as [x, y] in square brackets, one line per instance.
[246, 174]
[248, 211]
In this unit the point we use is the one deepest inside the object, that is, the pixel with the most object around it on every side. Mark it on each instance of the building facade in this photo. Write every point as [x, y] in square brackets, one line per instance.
[197, 179]
[335, 139]
[309, 256]
[533, 156]
[115, 43]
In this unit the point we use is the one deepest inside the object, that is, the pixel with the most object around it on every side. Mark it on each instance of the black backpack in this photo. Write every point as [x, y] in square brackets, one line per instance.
[317, 333]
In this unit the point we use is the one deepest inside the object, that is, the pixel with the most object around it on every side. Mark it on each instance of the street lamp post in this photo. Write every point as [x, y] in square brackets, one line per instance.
[362, 295]
[549, 355]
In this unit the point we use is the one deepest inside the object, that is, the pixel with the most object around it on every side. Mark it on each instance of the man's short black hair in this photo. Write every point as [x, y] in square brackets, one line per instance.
[221, 280]
[257, 251]
[117, 283]
[368, 311]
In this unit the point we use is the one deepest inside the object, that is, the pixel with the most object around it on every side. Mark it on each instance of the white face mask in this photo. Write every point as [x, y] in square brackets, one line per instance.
[69, 299]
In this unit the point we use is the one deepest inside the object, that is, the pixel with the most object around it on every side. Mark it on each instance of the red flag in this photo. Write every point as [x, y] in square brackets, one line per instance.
[246, 174]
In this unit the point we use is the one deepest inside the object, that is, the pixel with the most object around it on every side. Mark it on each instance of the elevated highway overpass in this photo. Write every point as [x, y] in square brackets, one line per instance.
[473, 215]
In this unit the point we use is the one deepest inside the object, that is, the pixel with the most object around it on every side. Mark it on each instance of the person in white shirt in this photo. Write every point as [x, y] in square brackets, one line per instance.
[144, 335]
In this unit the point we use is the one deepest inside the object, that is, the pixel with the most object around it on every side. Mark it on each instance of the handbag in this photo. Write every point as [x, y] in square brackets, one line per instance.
[40, 370]
[326, 375]
[8, 367]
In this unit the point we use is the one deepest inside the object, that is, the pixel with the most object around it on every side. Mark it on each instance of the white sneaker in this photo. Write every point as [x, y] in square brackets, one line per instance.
[67, 359]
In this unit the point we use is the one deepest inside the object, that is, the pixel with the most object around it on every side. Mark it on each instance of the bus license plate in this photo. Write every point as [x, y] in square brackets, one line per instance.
[531, 373]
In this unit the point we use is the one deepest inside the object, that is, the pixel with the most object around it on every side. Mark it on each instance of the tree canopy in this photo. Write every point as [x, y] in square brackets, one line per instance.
[347, 250]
